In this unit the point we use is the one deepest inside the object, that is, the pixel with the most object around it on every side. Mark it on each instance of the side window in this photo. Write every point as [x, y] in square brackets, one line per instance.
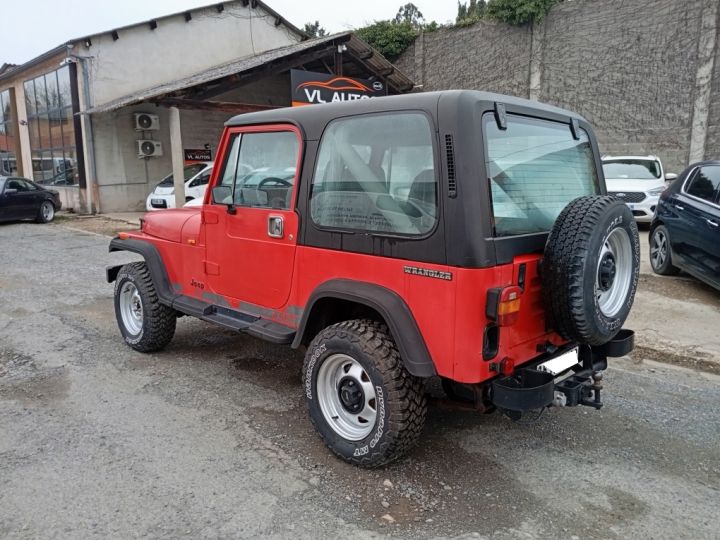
[16, 183]
[201, 180]
[231, 158]
[376, 173]
[704, 183]
[260, 168]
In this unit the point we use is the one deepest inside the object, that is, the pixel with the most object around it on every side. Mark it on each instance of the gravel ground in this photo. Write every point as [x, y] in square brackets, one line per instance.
[210, 437]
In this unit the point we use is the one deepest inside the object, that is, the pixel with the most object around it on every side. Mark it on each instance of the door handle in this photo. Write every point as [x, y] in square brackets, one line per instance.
[275, 226]
[711, 222]
[679, 207]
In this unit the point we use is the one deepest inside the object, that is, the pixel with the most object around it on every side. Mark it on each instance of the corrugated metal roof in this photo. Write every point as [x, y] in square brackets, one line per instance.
[363, 52]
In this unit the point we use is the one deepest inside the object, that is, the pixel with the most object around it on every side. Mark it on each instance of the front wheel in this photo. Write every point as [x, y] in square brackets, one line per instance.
[145, 323]
[362, 401]
[660, 258]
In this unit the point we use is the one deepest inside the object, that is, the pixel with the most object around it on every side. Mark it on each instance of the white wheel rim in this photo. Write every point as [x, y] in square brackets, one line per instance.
[347, 397]
[658, 249]
[613, 275]
[47, 211]
[131, 308]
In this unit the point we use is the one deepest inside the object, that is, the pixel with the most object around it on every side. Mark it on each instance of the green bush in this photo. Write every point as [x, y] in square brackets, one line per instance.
[389, 37]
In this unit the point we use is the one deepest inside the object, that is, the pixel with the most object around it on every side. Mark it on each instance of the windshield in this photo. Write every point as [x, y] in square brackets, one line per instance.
[536, 168]
[637, 169]
[189, 172]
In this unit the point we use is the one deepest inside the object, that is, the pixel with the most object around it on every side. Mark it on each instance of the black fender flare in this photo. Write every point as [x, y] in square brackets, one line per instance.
[153, 260]
[391, 307]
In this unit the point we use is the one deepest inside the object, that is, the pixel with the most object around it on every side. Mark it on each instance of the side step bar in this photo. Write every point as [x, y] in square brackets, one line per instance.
[234, 319]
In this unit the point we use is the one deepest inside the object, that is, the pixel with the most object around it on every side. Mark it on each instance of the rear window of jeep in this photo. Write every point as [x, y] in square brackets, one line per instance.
[376, 173]
[536, 168]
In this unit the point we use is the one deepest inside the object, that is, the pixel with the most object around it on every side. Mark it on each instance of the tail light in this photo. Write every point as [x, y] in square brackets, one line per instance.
[503, 305]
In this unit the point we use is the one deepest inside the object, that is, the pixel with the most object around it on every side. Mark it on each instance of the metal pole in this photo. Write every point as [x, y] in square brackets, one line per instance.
[176, 150]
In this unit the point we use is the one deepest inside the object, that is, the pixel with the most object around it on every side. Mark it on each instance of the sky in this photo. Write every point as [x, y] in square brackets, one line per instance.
[28, 28]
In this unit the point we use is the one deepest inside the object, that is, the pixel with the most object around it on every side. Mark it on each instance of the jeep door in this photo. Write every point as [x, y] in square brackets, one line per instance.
[250, 223]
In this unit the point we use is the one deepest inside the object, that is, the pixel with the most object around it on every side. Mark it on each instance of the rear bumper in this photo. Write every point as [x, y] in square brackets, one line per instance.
[531, 388]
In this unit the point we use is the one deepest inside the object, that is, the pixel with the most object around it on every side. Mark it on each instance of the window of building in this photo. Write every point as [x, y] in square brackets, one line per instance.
[705, 183]
[8, 144]
[376, 173]
[48, 99]
[261, 167]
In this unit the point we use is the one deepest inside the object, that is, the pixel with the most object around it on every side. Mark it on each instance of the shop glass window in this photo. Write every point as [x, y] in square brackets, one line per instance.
[8, 144]
[48, 99]
[376, 173]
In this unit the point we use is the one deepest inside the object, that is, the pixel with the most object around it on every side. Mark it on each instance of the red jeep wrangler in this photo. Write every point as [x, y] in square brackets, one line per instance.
[456, 234]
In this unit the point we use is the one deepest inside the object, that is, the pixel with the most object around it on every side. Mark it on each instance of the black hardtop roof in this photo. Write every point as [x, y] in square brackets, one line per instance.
[310, 116]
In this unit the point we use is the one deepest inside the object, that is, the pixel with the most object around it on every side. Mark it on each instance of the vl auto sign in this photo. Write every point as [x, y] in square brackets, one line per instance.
[312, 88]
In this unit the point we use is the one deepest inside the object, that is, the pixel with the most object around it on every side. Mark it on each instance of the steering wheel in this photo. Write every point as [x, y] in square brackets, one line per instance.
[278, 181]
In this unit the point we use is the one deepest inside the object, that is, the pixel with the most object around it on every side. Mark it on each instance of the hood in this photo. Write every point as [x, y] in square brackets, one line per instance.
[164, 190]
[628, 184]
[169, 224]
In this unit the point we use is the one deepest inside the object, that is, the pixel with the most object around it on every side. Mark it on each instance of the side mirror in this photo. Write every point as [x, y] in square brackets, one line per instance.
[9, 191]
[669, 177]
[222, 195]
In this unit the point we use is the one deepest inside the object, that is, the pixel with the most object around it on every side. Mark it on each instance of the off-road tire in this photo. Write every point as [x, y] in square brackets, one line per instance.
[401, 400]
[666, 268]
[158, 321]
[570, 268]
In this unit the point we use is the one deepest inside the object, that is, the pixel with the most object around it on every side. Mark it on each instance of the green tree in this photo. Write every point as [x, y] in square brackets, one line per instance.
[471, 12]
[519, 11]
[410, 14]
[313, 29]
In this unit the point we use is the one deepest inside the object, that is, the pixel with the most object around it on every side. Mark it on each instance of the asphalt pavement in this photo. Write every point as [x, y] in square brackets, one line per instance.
[210, 438]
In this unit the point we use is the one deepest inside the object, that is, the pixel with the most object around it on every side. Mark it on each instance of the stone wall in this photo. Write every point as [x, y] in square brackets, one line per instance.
[633, 68]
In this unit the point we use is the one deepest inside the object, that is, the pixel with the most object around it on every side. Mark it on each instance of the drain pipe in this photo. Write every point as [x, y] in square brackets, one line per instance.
[93, 194]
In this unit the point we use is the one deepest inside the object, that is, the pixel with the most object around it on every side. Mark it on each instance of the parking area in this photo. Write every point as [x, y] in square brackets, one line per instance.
[210, 438]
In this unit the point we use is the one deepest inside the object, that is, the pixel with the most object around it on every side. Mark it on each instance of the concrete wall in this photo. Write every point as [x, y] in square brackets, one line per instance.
[633, 68]
[712, 142]
[124, 180]
[142, 58]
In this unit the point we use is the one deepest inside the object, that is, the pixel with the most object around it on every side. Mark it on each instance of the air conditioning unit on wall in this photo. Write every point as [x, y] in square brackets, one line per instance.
[147, 122]
[148, 148]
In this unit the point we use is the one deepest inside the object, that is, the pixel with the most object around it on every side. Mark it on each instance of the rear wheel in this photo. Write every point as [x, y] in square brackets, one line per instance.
[145, 323]
[660, 257]
[46, 212]
[362, 401]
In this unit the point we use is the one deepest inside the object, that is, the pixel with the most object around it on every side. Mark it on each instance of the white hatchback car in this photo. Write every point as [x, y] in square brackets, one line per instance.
[637, 180]
[197, 177]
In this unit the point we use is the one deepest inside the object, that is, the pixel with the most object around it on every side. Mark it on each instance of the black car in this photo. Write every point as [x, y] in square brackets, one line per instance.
[21, 198]
[685, 232]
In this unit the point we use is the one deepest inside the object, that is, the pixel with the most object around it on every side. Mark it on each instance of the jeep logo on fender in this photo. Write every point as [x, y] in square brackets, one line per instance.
[416, 271]
[313, 88]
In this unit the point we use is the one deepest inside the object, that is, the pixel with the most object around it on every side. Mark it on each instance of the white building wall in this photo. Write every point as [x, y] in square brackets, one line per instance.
[124, 180]
[143, 58]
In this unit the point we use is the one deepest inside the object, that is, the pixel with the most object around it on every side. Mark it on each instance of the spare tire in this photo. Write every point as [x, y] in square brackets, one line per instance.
[590, 269]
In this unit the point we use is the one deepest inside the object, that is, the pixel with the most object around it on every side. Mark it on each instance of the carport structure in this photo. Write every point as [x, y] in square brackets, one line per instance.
[202, 102]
